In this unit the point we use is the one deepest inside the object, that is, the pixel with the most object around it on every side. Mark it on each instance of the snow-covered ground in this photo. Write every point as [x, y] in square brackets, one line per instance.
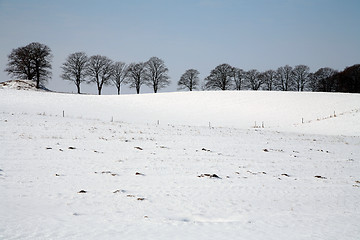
[144, 180]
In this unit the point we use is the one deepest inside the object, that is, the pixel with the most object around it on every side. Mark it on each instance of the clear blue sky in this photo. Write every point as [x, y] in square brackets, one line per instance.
[200, 34]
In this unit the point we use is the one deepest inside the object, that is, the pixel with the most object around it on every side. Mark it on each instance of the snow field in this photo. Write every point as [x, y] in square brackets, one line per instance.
[85, 176]
[267, 189]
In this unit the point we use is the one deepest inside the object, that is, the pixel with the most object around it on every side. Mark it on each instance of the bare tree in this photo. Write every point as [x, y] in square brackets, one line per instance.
[41, 57]
[30, 62]
[120, 73]
[239, 76]
[100, 70]
[301, 76]
[20, 65]
[269, 77]
[284, 78]
[322, 80]
[220, 78]
[253, 79]
[137, 75]
[74, 68]
[156, 74]
[189, 80]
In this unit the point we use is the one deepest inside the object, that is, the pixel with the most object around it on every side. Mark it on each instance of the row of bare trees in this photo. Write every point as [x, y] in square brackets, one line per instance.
[33, 62]
[101, 70]
[286, 78]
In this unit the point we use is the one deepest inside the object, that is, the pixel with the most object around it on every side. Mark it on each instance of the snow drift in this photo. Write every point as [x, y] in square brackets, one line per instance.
[22, 85]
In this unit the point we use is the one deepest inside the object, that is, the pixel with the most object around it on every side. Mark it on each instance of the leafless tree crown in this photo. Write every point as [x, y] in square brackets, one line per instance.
[32, 62]
[74, 68]
[156, 74]
[99, 71]
[189, 80]
[120, 73]
[220, 78]
[137, 75]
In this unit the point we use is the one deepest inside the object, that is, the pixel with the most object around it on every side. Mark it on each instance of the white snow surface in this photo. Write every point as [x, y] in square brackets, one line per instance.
[144, 180]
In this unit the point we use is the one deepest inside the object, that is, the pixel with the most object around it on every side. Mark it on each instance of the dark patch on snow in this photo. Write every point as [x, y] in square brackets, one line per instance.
[321, 177]
[254, 173]
[119, 191]
[206, 150]
[209, 175]
[82, 191]
[139, 148]
[106, 172]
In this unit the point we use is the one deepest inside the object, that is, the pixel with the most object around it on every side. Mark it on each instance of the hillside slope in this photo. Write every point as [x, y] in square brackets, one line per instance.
[284, 111]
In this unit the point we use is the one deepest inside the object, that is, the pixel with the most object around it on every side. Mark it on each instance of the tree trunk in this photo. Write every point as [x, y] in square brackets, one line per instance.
[99, 90]
[118, 90]
[78, 88]
[37, 81]
[137, 90]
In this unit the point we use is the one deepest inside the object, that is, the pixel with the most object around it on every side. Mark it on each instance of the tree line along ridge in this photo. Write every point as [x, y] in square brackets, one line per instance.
[33, 62]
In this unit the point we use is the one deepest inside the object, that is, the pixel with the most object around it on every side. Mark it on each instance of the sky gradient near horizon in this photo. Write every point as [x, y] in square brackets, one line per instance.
[200, 34]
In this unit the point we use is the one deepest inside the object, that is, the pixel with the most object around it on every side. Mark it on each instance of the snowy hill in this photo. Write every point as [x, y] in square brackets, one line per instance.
[108, 170]
[285, 111]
